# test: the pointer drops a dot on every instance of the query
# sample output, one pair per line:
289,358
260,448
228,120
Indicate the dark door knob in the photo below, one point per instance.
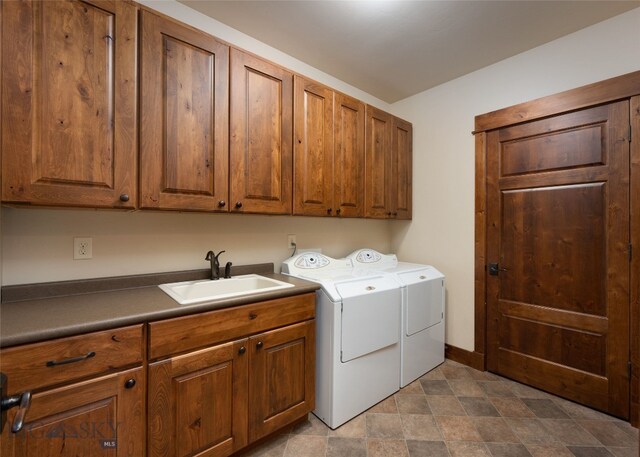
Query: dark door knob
329,210
129,383
259,344
238,204
338,211
124,198
222,203
242,350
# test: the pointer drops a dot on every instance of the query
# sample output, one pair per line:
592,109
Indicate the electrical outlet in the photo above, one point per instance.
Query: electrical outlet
291,241
82,248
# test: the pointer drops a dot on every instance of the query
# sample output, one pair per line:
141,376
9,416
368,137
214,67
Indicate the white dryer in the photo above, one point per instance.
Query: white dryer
423,295
357,335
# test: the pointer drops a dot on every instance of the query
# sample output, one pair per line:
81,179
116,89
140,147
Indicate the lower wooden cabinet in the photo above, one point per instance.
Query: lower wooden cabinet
217,400
103,416
281,377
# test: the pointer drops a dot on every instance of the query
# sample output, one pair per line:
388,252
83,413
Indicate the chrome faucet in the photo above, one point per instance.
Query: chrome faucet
215,264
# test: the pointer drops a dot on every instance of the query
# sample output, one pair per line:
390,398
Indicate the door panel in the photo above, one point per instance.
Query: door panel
197,402
313,149
349,156
401,171
281,382
378,167
184,123
69,103
261,136
558,225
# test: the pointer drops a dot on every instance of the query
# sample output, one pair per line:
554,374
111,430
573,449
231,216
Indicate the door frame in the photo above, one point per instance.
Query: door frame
622,87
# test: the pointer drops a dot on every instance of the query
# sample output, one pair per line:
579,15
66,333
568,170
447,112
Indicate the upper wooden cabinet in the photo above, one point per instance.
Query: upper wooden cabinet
378,163
184,117
389,149
349,156
328,152
69,95
401,169
313,149
260,136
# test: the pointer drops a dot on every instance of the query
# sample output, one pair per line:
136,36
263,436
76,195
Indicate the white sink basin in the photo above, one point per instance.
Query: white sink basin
188,292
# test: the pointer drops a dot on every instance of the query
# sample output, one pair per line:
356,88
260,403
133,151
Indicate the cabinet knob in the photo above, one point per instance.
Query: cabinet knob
389,213
259,344
252,316
129,383
338,211
238,204
222,203
242,350
394,214
329,210
124,197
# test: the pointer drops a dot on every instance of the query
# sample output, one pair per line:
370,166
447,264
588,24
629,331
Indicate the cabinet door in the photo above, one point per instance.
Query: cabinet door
313,149
69,103
261,136
378,167
98,417
184,158
282,377
198,403
348,158
401,171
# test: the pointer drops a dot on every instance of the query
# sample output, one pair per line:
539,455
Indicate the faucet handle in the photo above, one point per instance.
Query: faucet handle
227,270
218,254
210,256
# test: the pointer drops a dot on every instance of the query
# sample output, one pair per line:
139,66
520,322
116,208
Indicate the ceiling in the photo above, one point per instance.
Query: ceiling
393,49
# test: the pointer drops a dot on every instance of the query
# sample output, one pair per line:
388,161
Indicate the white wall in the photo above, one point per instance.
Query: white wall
442,231
37,243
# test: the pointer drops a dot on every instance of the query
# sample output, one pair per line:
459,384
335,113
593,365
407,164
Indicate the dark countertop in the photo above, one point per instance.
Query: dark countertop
91,305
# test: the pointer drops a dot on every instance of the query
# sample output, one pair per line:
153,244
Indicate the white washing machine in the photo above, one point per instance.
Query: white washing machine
357,335
422,342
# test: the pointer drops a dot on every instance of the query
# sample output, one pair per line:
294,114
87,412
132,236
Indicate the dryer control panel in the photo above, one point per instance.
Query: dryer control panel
370,258
314,264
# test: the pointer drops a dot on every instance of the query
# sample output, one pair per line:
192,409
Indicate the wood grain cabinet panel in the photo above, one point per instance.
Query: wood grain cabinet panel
349,156
69,119
184,117
378,163
282,377
313,149
102,416
261,138
328,152
198,402
400,190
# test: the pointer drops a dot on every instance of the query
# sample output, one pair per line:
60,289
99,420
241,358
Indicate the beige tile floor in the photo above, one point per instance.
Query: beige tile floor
456,411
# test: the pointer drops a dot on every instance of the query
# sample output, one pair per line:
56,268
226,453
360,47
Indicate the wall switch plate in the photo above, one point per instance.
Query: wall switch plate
291,241
82,248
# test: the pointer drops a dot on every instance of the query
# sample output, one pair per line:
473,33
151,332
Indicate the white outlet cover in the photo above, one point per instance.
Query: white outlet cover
82,248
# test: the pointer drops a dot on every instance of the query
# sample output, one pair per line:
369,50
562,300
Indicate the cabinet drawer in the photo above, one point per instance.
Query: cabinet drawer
38,365
191,332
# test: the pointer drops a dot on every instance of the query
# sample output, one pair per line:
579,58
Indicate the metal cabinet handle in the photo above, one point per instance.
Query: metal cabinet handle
259,344
329,210
242,350
338,211
129,383
222,203
22,401
253,316
53,363
124,198
238,205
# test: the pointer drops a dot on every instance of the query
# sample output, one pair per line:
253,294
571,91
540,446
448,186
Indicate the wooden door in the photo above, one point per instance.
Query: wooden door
348,156
282,377
558,228
379,130
184,151
98,417
69,103
313,149
198,402
400,191
261,136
